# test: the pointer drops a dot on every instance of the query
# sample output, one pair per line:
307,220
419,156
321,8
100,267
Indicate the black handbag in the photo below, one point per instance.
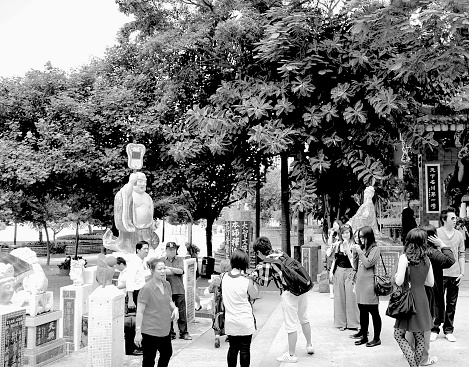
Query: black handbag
383,284
402,304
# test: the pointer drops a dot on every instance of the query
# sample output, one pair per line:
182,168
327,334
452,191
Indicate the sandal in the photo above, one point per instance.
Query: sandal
430,361
342,328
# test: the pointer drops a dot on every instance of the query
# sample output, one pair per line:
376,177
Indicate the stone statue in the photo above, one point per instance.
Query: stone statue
32,295
7,284
133,216
366,214
76,271
105,271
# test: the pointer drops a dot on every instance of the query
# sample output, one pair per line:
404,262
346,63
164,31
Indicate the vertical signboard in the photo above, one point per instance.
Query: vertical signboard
189,288
433,188
238,235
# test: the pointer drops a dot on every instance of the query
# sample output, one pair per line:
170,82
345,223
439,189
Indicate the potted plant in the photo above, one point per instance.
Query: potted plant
64,267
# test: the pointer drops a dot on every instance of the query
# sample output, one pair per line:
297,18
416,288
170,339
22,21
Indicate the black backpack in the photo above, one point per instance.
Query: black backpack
295,276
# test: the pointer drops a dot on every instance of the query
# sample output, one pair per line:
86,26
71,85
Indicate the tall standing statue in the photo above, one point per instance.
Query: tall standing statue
133,208
133,216
366,213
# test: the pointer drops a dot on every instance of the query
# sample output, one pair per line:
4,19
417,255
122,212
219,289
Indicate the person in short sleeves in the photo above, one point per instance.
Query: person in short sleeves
155,306
240,323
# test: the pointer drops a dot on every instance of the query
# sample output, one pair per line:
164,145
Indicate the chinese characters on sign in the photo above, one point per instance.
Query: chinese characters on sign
433,193
238,234
13,339
46,332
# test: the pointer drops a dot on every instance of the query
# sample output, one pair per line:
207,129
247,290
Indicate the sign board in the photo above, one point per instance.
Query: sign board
12,338
433,188
189,282
238,235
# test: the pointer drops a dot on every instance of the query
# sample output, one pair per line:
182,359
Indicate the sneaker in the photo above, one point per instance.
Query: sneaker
287,358
430,361
310,349
217,343
433,336
450,337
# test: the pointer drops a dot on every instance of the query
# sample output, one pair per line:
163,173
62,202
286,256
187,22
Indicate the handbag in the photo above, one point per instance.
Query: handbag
383,284
402,304
218,323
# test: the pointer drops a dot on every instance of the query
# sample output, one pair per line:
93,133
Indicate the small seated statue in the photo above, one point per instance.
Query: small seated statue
33,294
7,284
76,271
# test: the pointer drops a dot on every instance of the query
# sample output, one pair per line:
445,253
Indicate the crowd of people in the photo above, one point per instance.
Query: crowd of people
432,262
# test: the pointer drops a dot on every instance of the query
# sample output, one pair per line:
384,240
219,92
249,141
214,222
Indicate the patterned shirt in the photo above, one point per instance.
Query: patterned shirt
266,271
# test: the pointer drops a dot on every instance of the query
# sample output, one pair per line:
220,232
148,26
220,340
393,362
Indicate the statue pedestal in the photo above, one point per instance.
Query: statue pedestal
189,288
106,327
12,335
73,303
42,343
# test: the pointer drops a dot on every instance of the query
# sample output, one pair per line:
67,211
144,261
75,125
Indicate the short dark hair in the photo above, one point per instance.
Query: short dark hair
121,260
239,260
140,244
346,227
262,244
153,262
444,214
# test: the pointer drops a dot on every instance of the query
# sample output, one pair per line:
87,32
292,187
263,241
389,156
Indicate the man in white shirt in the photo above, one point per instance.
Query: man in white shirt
137,272
452,277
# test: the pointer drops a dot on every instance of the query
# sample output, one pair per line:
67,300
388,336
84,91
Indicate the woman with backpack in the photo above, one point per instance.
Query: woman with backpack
346,313
240,323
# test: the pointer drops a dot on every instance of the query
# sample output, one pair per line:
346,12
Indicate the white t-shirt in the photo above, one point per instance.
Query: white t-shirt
136,272
122,280
239,318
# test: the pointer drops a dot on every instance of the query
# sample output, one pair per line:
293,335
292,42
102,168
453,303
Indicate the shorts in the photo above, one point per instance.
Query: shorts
295,309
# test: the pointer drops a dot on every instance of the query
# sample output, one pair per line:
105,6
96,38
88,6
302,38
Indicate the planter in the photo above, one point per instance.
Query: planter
65,272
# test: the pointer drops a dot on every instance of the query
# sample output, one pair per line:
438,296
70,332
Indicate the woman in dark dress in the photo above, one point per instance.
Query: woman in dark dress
420,273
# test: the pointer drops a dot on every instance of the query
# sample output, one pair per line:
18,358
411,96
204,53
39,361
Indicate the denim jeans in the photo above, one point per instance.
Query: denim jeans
239,344
151,344
452,291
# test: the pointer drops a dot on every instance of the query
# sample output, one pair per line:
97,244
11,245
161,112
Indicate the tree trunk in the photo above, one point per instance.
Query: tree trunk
40,235
90,229
301,228
189,232
285,204
258,203
77,238
14,234
47,244
162,232
208,235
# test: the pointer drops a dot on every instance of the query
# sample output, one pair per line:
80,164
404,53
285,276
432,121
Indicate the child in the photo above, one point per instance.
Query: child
214,283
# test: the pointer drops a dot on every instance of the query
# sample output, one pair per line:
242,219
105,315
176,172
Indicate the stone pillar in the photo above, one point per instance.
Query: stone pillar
189,288
106,328
12,335
74,304
42,342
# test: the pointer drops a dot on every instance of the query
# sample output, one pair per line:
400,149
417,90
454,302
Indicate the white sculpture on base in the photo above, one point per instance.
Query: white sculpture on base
7,284
76,271
366,214
33,295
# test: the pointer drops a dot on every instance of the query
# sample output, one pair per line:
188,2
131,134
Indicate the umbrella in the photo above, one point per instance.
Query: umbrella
21,267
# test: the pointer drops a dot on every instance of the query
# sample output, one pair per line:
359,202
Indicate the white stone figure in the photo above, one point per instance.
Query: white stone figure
133,216
76,271
32,295
7,284
366,214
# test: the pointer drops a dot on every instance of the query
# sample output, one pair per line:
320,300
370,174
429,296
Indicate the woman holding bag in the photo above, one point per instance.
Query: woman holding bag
346,313
365,257
420,273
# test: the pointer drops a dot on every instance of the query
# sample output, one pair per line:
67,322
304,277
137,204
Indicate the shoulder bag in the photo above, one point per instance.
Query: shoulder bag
402,304
218,323
383,285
